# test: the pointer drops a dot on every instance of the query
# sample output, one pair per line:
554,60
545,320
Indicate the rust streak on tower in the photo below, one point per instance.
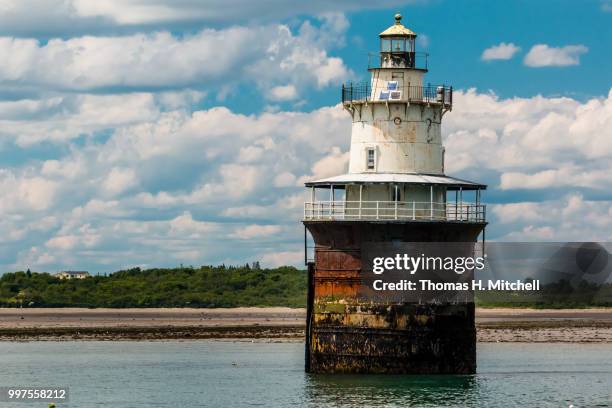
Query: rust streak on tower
395,191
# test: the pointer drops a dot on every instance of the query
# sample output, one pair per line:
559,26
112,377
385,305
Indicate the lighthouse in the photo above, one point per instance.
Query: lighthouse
395,193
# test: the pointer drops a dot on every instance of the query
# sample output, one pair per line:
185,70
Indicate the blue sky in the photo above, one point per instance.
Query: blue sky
458,31
160,132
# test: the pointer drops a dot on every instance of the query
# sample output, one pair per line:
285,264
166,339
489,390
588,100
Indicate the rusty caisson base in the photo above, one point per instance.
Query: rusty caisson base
347,334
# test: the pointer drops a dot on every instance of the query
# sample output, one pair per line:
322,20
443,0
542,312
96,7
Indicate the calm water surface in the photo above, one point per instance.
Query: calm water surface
240,374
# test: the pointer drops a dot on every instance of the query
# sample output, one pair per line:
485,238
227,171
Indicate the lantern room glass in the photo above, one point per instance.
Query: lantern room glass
397,44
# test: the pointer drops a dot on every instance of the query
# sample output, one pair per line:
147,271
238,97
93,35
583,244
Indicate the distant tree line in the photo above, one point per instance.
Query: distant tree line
561,294
205,286
234,286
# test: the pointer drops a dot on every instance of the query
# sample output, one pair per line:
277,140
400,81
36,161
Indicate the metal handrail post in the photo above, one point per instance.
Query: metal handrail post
360,201
431,202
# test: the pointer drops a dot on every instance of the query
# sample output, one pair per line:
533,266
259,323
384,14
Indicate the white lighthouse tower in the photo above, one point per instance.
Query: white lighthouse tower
396,190
396,154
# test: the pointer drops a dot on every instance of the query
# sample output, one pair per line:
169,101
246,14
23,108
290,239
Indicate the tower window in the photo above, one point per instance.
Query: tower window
397,193
371,158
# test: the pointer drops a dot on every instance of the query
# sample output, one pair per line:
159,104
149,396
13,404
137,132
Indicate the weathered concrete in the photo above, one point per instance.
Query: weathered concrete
351,334
393,338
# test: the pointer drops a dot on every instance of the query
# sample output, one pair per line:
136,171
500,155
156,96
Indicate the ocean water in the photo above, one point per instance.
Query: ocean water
245,374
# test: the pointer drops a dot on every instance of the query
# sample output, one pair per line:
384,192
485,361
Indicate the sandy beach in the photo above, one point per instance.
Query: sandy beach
278,324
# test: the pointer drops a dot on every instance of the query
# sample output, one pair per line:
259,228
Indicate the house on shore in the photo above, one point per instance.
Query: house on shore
72,275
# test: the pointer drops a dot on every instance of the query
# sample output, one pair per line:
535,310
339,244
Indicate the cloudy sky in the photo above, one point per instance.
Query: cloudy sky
158,132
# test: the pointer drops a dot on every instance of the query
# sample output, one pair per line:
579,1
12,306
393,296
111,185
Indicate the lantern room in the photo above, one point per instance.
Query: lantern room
397,46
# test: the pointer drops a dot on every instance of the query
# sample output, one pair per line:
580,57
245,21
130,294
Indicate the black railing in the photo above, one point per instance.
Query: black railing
353,92
362,92
416,60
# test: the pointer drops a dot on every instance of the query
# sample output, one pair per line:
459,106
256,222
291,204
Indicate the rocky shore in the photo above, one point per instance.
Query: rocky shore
277,324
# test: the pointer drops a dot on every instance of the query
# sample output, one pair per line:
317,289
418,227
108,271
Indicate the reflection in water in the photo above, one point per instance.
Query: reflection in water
509,375
390,390
242,374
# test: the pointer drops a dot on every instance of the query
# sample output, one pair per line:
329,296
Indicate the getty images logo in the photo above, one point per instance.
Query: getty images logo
412,264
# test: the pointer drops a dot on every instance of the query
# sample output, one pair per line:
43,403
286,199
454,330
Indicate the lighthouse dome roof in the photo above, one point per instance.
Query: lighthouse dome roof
398,29
451,183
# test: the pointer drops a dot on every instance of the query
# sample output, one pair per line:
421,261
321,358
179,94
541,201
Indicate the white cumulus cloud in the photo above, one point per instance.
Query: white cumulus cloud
570,218
119,180
211,185
277,59
283,93
531,143
201,187
61,17
502,51
256,231
543,55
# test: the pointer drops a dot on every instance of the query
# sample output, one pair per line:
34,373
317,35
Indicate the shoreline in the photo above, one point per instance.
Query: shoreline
500,325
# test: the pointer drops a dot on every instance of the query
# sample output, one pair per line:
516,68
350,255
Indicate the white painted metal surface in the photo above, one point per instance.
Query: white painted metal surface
393,210
392,178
